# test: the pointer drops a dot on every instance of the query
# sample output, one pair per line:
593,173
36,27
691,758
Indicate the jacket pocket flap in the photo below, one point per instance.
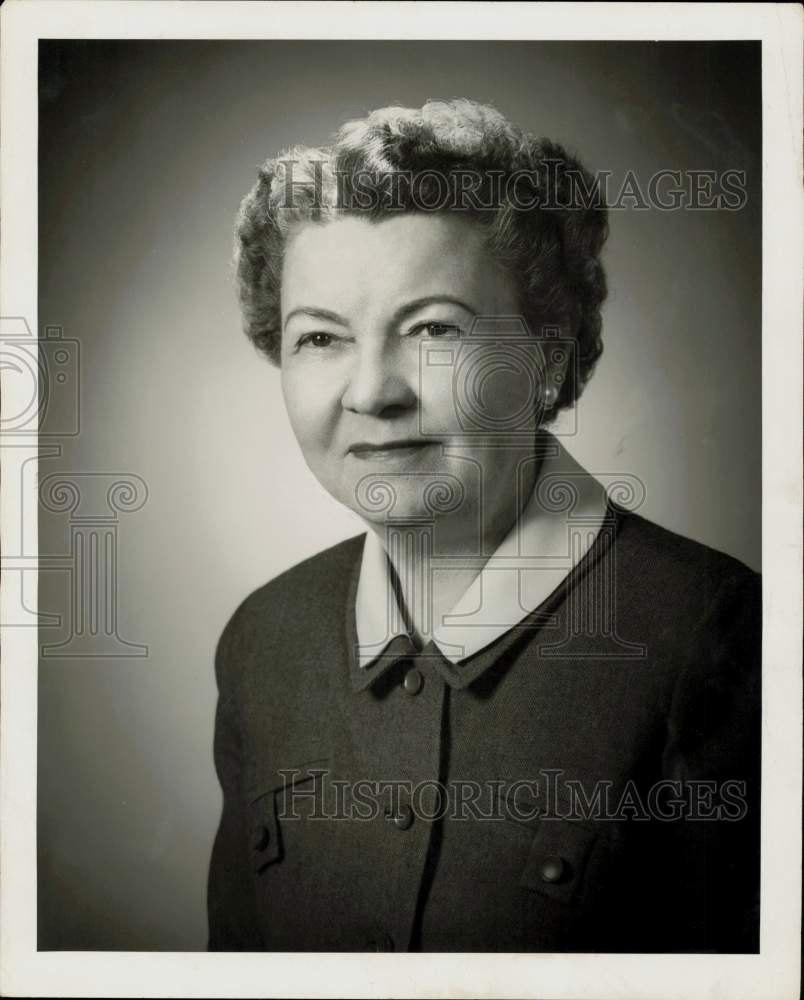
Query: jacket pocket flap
265,842
558,855
528,806
264,778
264,785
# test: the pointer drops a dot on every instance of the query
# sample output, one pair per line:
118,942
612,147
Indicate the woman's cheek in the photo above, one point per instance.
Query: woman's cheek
312,407
297,407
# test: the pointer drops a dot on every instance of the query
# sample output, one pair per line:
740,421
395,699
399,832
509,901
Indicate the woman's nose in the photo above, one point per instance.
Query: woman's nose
378,382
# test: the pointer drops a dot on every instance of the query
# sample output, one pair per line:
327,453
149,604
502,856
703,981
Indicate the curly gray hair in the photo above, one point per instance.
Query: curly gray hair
543,215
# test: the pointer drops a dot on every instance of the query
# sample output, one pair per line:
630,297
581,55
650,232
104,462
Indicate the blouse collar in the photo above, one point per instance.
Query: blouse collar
557,527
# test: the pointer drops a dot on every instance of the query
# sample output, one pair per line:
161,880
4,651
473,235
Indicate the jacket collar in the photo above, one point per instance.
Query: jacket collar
557,528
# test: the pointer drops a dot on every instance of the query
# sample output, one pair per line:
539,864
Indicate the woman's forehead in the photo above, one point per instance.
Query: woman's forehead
352,263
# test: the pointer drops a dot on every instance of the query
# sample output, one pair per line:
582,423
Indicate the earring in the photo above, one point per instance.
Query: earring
550,395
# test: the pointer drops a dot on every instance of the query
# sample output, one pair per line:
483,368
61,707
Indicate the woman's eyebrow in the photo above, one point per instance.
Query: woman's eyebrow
429,300
409,307
316,313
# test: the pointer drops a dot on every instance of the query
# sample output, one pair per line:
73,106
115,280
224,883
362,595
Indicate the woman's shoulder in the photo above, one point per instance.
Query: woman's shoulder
665,553
688,579
292,610
320,578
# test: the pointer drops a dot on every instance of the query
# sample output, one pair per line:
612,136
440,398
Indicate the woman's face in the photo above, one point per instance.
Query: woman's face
376,320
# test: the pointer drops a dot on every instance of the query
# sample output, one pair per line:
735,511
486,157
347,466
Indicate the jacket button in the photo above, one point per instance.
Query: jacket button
382,942
413,682
261,838
553,868
404,818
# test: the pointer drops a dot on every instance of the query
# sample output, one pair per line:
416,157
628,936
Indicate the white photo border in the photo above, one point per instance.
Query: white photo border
774,972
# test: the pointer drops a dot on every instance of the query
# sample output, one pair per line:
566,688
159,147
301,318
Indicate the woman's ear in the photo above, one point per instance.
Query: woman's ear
558,351
550,395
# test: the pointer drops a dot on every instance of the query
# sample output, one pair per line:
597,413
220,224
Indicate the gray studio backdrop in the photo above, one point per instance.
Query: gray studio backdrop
187,490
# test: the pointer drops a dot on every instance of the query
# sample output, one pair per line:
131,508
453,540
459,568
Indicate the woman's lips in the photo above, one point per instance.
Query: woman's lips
389,451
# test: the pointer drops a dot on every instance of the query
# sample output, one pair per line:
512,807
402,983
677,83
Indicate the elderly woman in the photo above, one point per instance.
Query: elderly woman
512,715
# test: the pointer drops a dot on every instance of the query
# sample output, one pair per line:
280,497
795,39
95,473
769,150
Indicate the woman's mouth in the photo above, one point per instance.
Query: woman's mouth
380,451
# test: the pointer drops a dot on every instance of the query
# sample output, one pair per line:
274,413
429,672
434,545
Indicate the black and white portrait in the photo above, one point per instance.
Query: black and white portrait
430,287
398,551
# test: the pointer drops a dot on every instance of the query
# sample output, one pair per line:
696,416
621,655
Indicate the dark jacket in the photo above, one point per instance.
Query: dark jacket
597,766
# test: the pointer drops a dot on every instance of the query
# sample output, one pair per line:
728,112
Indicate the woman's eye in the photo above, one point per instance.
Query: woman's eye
316,339
438,329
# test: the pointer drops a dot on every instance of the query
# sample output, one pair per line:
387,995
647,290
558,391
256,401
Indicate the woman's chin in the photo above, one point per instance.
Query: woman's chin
401,510
382,498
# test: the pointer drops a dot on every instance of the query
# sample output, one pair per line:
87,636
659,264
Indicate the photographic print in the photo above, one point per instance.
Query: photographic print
393,499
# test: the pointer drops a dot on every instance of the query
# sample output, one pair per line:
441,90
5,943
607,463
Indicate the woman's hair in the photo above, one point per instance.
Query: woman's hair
545,220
